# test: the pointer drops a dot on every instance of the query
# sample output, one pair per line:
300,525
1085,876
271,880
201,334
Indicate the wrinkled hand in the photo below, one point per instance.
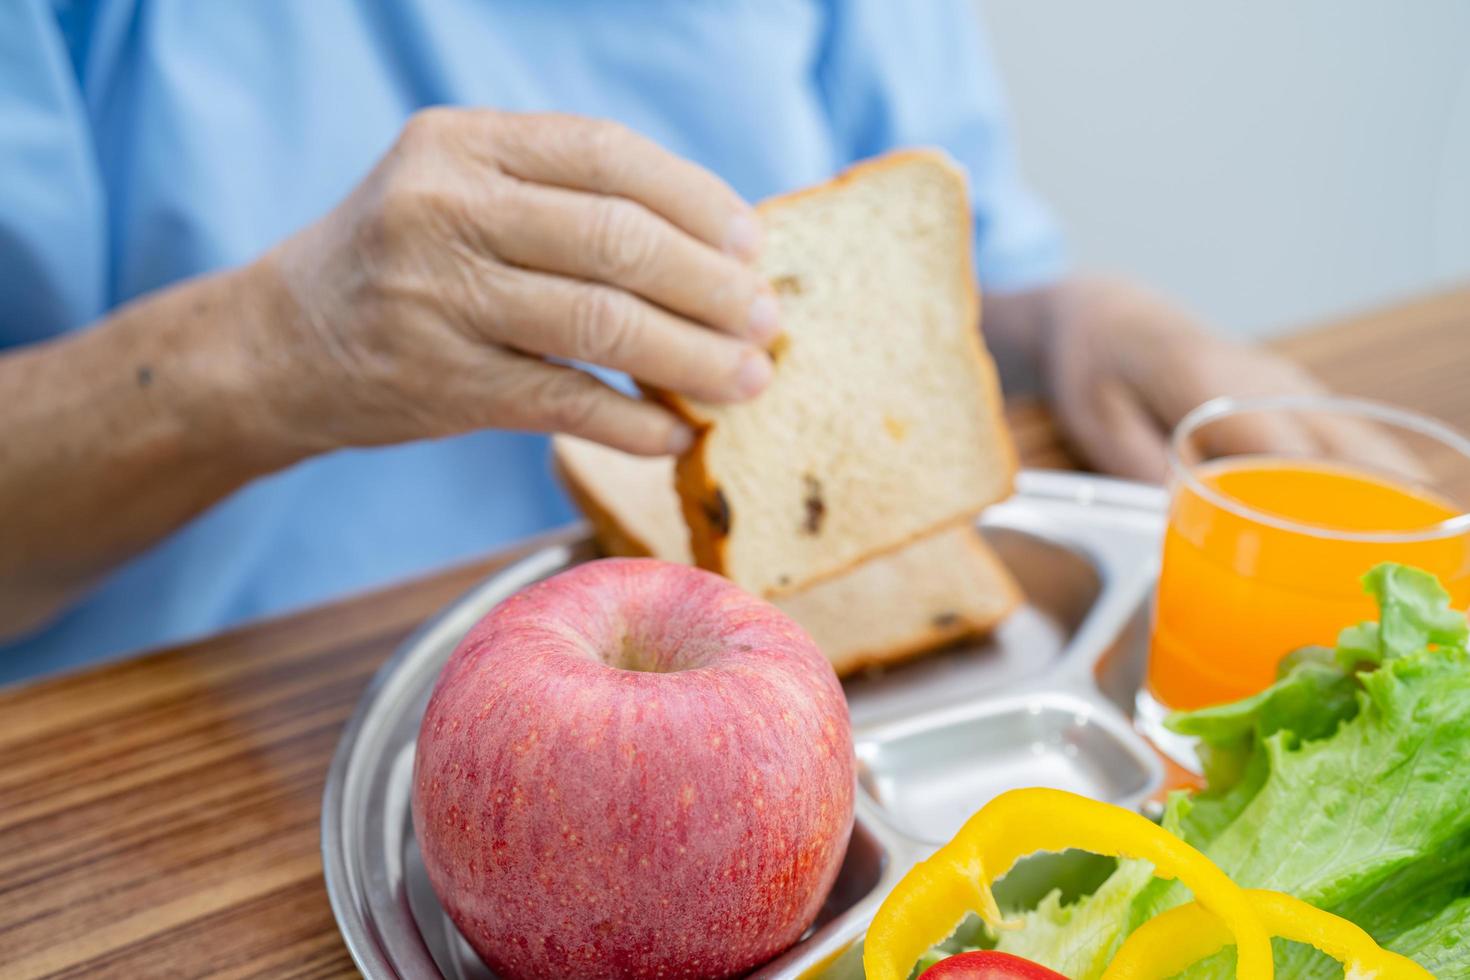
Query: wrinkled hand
1124,366
484,246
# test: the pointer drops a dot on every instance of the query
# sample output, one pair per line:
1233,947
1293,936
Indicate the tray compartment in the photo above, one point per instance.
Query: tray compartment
928,777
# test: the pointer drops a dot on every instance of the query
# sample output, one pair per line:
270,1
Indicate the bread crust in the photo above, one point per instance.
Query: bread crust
699,498
706,512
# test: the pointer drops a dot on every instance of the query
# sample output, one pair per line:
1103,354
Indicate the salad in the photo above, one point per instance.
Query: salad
1336,820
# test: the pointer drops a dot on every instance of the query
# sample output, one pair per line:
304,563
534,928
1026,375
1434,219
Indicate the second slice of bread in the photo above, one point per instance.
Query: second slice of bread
934,590
883,420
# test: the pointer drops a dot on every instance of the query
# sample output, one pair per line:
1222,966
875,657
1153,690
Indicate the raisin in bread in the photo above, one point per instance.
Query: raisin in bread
935,590
883,421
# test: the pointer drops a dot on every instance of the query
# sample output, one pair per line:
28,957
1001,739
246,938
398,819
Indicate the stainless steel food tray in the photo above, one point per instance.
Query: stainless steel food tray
1044,701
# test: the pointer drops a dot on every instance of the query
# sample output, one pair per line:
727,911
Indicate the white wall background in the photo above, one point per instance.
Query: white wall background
1268,162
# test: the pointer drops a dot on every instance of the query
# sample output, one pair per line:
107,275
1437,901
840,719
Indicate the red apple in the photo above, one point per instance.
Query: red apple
633,769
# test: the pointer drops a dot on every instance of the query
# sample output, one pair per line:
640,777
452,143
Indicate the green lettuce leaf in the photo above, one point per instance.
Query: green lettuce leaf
1440,944
1347,788
1413,613
1372,823
1077,939
1310,700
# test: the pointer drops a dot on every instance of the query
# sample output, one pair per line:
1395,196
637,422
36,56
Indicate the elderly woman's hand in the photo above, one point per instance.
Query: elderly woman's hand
1121,366
486,246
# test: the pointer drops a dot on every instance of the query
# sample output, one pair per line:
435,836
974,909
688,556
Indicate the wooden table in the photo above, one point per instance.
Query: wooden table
159,817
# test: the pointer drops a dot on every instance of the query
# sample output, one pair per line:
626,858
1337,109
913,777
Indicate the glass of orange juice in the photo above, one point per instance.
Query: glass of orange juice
1264,549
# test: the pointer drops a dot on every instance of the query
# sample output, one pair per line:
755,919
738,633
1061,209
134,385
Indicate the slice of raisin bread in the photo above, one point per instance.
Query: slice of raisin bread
935,590
883,422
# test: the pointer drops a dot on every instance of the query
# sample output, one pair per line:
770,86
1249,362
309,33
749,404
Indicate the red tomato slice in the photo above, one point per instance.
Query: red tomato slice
988,965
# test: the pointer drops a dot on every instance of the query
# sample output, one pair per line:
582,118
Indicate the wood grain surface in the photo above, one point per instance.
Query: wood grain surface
159,817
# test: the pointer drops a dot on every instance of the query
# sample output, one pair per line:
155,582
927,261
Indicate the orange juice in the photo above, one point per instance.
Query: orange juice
1237,593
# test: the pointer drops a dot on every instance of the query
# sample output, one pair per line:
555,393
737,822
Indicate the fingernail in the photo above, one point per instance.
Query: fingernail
765,318
754,374
681,437
744,237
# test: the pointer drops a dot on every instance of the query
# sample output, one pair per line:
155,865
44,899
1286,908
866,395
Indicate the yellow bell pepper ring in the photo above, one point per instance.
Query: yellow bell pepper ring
1172,940
930,901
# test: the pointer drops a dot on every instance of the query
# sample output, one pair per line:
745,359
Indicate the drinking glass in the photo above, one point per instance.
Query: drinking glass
1265,547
